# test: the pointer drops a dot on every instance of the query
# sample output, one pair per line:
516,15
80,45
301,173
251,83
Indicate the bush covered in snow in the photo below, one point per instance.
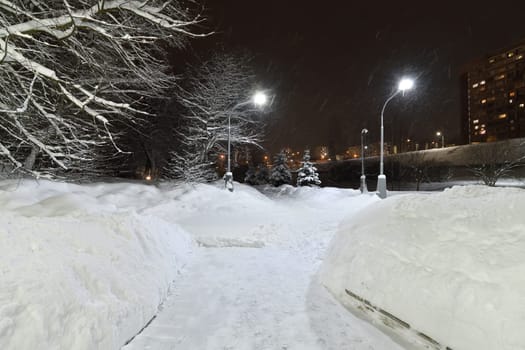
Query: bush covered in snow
280,173
307,175
262,175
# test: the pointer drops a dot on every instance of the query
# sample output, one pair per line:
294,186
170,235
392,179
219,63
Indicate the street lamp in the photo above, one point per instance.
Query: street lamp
363,176
439,133
259,99
404,85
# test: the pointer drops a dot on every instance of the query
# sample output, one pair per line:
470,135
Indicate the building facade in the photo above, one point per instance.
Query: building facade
493,94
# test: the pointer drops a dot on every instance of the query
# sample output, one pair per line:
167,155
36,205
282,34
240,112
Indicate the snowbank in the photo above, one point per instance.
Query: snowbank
250,217
86,266
83,267
450,264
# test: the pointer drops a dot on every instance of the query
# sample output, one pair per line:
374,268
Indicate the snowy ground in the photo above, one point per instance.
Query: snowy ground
86,267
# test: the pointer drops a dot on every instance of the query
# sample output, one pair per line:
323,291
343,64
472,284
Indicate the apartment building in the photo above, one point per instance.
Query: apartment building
493,96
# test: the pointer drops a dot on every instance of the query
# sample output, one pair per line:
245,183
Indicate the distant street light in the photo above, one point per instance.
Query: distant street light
259,99
363,176
439,133
404,85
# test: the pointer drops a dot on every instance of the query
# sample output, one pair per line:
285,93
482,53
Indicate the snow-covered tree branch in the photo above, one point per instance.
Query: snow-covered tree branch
72,70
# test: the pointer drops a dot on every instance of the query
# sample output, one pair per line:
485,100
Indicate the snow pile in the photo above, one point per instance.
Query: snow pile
450,264
219,218
327,198
248,217
83,267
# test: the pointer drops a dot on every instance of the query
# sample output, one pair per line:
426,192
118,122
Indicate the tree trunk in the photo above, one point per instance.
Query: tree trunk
30,160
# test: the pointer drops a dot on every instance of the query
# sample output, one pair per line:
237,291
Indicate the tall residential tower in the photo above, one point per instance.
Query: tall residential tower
493,94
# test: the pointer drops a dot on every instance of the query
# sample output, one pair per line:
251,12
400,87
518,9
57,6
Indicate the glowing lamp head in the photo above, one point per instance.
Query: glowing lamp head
438,133
260,99
406,84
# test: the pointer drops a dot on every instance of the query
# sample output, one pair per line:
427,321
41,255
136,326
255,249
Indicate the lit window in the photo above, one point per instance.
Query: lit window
482,82
512,93
502,116
483,132
483,101
475,121
476,127
522,105
475,85
482,125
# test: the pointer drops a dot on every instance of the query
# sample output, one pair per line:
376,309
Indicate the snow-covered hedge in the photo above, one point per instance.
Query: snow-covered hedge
451,264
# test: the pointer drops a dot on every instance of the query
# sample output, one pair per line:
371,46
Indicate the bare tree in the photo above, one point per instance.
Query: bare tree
492,161
415,166
218,89
74,71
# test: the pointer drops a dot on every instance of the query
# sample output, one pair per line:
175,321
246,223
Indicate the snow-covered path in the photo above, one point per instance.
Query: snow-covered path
255,298
259,298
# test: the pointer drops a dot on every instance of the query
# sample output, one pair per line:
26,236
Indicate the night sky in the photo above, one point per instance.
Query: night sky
332,64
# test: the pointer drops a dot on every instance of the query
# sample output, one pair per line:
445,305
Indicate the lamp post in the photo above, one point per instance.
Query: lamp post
259,99
439,133
363,176
404,85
